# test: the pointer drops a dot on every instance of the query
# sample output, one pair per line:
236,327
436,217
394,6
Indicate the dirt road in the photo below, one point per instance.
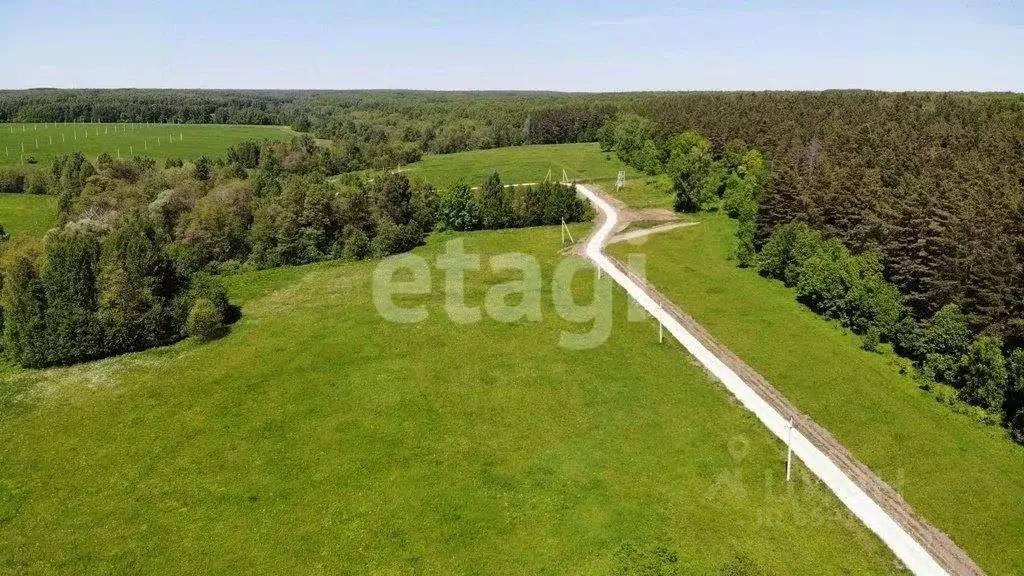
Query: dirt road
922,548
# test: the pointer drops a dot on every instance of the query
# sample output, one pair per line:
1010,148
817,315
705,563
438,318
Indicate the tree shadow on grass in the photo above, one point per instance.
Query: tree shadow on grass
232,314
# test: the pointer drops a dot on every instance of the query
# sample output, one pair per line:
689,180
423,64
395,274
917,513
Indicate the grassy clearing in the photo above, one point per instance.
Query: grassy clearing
317,438
519,164
27,214
642,191
43,142
967,478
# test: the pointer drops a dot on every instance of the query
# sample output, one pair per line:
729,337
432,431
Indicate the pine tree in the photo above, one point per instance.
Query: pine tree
781,203
918,250
492,203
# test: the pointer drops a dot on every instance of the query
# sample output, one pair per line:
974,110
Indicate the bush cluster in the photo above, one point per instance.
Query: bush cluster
93,289
24,180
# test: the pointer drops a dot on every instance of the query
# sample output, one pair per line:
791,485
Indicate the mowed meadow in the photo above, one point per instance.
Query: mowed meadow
519,165
27,214
41,142
964,476
317,438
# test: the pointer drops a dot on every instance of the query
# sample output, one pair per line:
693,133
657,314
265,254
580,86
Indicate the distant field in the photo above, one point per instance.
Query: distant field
519,164
18,142
27,214
317,438
965,477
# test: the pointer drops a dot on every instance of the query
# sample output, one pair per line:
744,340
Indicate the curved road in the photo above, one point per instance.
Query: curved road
907,549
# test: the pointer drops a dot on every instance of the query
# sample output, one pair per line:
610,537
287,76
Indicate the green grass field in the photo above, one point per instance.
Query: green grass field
965,477
519,164
43,142
642,191
27,214
317,438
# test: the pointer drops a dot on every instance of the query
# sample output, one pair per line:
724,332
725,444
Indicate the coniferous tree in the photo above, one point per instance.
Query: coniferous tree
460,210
781,203
493,211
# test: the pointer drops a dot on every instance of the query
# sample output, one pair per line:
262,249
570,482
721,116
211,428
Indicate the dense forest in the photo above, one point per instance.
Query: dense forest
896,215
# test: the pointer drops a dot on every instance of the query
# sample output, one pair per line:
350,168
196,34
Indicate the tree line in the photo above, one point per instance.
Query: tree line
883,284
135,259
983,364
493,206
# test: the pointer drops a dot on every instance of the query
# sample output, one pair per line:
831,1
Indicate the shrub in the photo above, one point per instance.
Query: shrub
203,168
1014,402
38,185
826,279
356,244
940,367
871,339
229,267
787,250
394,239
204,322
12,180
206,286
871,301
946,333
981,375
1016,425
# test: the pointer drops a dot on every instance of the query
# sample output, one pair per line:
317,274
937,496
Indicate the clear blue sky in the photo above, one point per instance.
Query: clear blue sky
553,45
